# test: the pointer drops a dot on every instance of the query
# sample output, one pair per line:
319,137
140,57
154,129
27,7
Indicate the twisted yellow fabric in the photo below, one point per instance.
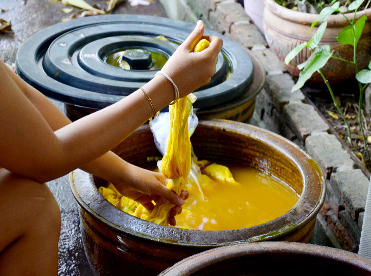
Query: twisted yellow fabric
176,162
175,165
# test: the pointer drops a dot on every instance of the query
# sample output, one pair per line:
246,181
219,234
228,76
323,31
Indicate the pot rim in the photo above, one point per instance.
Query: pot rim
210,257
307,19
91,201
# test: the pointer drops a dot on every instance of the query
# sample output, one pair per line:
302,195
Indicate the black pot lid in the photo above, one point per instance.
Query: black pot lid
72,61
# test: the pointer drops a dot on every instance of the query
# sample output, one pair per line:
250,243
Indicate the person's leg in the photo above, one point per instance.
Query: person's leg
29,227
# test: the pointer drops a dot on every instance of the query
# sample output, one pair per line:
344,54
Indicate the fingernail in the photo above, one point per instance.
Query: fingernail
180,201
199,24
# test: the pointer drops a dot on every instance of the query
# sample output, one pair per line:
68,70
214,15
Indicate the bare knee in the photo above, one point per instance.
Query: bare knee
29,227
27,206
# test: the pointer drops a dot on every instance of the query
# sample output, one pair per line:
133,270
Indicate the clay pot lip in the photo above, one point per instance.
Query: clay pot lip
308,19
210,257
89,198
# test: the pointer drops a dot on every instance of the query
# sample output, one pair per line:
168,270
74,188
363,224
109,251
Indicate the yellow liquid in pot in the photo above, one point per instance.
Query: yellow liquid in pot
258,198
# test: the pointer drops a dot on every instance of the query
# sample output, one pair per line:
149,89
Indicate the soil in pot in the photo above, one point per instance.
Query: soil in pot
316,6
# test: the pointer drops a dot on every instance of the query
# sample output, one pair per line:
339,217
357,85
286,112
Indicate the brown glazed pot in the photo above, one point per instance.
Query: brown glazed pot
285,29
273,258
120,244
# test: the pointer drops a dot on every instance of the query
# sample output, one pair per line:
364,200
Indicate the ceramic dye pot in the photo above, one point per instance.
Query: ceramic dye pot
120,244
273,258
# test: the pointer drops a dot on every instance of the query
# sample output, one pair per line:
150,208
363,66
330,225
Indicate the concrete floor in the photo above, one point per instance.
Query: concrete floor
28,17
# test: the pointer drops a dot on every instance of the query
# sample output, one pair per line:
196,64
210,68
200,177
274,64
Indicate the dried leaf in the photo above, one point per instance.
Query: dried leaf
5,27
338,100
67,10
350,117
82,5
341,135
332,114
80,14
369,139
360,138
360,156
4,10
111,5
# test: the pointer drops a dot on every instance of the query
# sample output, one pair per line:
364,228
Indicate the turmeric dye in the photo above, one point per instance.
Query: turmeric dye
222,202
249,198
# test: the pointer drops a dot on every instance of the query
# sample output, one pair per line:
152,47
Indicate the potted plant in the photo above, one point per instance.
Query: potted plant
286,28
321,55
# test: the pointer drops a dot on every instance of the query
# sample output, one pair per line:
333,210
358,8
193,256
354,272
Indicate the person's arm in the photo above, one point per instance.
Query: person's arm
44,155
108,166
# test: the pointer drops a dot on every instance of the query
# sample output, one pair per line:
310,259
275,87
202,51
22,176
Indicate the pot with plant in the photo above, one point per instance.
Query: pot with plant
322,54
288,24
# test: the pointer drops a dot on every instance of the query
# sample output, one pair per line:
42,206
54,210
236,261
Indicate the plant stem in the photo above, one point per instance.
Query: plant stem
368,3
341,59
337,107
361,89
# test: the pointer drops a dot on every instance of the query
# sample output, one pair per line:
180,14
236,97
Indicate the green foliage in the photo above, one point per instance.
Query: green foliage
355,5
316,61
325,13
347,36
364,76
350,35
318,35
294,52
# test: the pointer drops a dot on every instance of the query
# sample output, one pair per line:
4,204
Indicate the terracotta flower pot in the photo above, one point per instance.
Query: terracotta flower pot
285,29
120,244
272,258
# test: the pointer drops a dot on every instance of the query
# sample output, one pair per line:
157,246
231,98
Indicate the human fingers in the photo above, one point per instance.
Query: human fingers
175,211
184,195
168,194
172,221
194,36
146,201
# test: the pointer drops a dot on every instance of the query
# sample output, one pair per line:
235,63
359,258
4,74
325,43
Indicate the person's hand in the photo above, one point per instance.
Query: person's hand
190,70
144,186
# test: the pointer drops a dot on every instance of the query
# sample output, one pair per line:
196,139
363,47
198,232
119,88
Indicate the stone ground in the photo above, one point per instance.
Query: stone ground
28,17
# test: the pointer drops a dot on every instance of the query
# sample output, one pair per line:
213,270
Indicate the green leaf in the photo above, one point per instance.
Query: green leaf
325,13
304,64
346,36
364,76
369,65
360,24
318,35
355,5
294,52
316,61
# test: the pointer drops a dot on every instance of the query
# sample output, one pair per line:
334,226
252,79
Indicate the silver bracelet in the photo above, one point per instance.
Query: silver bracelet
175,87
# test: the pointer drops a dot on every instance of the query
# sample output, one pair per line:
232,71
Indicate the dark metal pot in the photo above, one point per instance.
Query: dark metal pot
273,258
118,243
68,62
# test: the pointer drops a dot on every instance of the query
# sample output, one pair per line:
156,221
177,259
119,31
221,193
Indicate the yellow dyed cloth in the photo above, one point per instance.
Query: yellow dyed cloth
212,176
175,165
